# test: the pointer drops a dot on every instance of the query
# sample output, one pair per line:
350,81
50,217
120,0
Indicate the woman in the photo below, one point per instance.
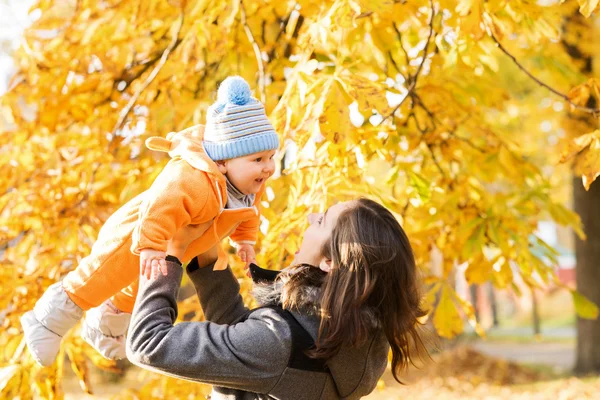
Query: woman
352,288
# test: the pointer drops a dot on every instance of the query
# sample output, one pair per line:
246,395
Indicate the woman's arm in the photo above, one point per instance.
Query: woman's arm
250,355
218,291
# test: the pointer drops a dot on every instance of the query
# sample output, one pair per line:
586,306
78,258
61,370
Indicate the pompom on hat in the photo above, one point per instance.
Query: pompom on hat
236,124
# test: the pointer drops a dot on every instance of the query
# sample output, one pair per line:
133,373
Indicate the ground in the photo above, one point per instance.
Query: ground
511,363
477,369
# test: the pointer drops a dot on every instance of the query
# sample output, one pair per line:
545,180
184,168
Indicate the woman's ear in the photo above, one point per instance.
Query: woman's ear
222,165
325,265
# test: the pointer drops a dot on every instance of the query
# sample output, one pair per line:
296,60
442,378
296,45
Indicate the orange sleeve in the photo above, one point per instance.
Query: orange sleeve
179,195
247,231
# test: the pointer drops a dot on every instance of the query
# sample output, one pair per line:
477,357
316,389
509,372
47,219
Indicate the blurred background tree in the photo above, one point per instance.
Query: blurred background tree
454,114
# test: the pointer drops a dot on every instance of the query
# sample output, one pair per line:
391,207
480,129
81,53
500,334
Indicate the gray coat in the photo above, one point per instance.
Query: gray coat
244,360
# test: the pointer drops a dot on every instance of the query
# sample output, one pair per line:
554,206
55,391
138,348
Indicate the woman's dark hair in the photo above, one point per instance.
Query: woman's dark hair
372,283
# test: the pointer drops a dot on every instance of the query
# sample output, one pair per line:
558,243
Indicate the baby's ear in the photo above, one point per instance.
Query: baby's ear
222,165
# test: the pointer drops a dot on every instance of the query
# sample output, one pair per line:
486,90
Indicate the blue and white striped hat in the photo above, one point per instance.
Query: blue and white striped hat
236,124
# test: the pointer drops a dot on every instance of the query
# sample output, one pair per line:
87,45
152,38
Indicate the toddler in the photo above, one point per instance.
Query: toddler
214,179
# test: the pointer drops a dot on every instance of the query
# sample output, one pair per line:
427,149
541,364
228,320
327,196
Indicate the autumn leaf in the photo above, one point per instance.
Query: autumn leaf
446,319
586,151
584,307
587,7
502,275
479,270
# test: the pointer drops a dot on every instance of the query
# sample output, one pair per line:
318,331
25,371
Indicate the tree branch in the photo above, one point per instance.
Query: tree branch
414,83
399,35
395,64
163,59
594,111
413,79
257,53
436,121
435,160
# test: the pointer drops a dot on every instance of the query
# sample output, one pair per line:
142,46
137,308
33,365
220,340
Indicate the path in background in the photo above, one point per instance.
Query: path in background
560,355
555,351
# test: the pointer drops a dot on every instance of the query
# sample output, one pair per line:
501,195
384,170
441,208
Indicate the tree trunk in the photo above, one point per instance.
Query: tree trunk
535,314
475,300
493,305
587,205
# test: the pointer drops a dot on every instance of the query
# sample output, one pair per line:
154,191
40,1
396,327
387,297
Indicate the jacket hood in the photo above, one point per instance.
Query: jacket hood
187,144
355,370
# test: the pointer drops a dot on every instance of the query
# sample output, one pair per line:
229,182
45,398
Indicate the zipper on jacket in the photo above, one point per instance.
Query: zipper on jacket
236,209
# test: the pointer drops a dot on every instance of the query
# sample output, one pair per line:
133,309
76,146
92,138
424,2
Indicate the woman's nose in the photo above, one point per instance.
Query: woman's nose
311,218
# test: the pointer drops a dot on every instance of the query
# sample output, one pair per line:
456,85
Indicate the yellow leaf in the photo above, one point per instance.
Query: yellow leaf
343,13
7,120
579,94
469,311
370,95
584,307
447,321
475,242
465,230
420,185
588,164
565,217
479,270
578,144
335,119
8,374
79,366
547,29
497,235
502,274
378,6
587,7
494,25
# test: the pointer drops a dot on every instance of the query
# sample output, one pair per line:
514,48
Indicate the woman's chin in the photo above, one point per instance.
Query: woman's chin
296,259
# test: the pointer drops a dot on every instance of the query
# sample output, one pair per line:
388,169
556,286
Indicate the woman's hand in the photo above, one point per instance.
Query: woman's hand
184,237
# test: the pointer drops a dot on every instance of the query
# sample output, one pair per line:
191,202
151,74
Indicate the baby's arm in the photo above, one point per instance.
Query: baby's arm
178,194
246,253
246,234
245,237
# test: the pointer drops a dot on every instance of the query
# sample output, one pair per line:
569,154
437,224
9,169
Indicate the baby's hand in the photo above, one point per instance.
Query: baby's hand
151,261
246,253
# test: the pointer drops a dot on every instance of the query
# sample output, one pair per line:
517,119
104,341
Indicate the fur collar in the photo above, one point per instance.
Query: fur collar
308,298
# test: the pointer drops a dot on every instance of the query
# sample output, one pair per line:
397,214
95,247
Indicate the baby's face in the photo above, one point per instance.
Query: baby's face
249,173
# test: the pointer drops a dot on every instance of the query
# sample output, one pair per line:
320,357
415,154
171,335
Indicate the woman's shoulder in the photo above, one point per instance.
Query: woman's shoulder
356,370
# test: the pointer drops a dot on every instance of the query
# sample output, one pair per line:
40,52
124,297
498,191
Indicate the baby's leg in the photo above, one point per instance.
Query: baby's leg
102,274
110,268
125,299
105,327
108,286
44,326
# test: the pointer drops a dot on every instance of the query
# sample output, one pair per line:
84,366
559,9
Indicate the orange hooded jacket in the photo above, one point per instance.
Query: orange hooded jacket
190,190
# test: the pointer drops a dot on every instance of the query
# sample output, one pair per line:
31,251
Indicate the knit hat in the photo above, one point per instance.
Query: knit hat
236,124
